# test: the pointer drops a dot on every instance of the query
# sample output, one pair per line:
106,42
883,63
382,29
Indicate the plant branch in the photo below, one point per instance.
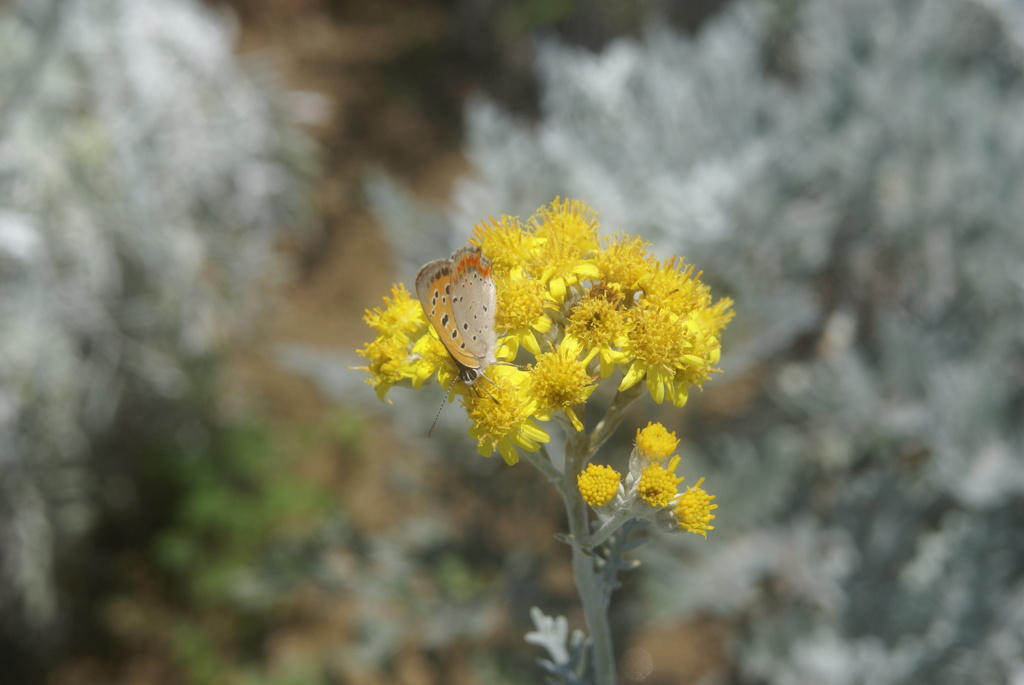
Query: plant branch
612,418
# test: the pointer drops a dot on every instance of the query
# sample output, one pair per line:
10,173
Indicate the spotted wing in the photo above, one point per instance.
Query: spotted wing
434,284
473,303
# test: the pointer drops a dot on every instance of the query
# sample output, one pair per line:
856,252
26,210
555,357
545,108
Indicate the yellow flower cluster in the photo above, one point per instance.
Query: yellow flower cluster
583,307
651,488
401,327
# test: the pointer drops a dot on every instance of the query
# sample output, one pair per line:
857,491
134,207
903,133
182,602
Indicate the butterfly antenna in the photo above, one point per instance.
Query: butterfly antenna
441,408
481,389
488,378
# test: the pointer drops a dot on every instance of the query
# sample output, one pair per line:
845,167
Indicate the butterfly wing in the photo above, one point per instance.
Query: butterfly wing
435,284
473,302
429,277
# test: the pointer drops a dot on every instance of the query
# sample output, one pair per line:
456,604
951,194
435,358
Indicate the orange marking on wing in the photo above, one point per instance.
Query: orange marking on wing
474,260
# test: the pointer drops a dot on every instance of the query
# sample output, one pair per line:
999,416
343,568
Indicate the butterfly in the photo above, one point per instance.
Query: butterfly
459,299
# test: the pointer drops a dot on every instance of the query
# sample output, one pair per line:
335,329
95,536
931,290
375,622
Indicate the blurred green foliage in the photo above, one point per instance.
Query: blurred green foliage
238,493
245,506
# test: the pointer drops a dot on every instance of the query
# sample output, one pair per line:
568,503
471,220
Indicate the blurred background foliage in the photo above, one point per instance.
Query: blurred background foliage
197,200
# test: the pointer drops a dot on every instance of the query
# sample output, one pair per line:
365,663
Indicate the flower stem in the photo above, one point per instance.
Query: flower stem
594,596
612,418
607,529
588,582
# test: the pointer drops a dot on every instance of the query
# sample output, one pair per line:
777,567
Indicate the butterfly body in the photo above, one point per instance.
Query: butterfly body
459,299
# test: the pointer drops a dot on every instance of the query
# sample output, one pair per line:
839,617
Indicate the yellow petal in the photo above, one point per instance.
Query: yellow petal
534,432
635,373
529,341
508,453
557,286
656,385
587,270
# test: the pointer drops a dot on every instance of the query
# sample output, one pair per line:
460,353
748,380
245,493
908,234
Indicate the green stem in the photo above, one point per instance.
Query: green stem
592,595
612,418
607,529
588,581
579,449
542,462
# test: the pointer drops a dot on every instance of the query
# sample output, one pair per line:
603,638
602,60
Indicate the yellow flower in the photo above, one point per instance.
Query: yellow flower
567,236
387,357
674,333
657,343
501,414
571,221
674,286
598,484
624,264
600,324
506,242
655,443
522,310
391,361
434,358
693,510
704,326
400,317
658,485
561,381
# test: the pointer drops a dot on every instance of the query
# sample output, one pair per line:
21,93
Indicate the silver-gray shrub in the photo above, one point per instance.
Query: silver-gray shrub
852,173
145,176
